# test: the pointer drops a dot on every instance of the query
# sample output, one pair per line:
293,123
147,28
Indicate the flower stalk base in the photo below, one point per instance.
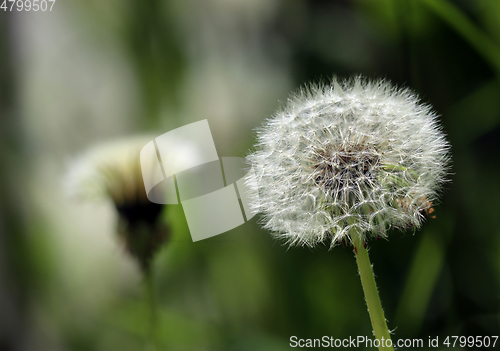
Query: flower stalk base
372,297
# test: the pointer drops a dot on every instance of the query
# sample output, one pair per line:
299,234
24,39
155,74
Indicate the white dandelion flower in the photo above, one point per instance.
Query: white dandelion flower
355,157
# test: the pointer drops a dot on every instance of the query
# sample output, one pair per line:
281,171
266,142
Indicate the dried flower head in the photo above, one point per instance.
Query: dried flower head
113,171
351,158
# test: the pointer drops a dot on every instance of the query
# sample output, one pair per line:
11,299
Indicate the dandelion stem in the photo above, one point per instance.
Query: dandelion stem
372,297
151,301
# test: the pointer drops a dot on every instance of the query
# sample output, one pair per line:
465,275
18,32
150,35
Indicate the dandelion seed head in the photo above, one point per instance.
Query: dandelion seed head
355,157
113,171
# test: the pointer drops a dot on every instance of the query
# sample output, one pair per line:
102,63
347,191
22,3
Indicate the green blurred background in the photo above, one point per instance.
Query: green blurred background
92,71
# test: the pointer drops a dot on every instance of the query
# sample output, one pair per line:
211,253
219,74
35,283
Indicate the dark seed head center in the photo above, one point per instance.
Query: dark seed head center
337,170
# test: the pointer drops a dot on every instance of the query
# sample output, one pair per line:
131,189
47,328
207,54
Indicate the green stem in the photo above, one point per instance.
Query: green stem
151,301
372,298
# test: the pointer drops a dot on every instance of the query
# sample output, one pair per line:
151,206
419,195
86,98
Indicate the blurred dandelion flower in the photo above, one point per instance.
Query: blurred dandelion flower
113,171
351,158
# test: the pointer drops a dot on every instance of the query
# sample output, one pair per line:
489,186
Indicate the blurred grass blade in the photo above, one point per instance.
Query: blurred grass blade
484,105
426,266
463,26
